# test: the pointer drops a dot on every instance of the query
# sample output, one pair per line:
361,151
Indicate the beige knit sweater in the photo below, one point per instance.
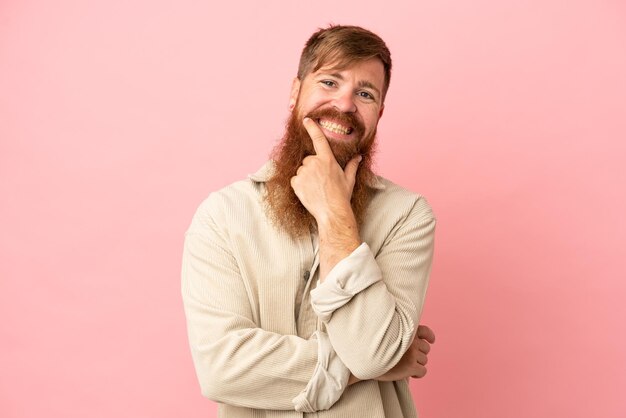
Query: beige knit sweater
247,291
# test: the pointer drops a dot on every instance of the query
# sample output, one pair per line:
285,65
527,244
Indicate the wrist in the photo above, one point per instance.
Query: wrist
338,225
339,241
338,237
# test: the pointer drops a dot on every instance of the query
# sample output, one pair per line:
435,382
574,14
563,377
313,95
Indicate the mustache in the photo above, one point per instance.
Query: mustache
348,119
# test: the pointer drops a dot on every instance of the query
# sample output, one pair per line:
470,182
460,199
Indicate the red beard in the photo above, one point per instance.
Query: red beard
283,206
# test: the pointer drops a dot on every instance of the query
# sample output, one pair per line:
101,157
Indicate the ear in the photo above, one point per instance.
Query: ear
293,96
380,112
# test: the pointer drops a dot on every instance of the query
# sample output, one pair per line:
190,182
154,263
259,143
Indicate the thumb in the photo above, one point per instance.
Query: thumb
351,169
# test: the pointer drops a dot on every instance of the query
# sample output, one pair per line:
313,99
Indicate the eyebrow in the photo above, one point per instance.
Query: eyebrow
361,83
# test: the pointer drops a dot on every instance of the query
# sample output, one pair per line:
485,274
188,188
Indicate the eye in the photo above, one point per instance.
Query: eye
328,83
366,95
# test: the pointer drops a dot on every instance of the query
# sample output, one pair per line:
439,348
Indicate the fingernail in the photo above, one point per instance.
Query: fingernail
360,158
306,118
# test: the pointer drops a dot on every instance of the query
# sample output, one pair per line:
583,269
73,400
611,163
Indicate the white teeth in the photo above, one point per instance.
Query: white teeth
333,127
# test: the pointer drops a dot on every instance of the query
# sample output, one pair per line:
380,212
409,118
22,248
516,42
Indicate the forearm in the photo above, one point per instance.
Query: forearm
371,332
370,306
254,368
250,367
236,361
338,238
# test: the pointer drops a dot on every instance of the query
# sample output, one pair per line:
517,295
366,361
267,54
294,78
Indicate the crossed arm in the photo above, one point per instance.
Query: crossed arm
325,189
240,364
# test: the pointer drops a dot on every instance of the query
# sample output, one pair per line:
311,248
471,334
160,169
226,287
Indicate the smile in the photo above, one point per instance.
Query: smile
335,127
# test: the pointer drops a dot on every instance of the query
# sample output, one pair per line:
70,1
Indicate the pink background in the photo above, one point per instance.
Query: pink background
117,118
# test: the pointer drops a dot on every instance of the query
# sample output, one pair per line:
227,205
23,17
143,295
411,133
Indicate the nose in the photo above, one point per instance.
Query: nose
344,102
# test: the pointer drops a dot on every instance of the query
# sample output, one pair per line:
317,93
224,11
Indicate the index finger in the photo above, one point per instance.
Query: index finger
320,142
425,333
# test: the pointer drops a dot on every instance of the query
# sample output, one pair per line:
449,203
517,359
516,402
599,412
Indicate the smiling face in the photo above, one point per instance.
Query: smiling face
343,76
346,103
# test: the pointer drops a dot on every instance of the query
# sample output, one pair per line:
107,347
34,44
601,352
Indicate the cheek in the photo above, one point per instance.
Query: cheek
371,121
306,105
316,98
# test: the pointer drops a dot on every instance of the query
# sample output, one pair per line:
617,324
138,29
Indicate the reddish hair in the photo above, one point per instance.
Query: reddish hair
341,46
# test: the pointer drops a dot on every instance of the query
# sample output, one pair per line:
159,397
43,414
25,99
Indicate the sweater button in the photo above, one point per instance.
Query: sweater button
306,275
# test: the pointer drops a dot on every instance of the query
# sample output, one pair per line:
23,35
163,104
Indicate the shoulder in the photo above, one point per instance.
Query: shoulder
239,200
396,214
392,198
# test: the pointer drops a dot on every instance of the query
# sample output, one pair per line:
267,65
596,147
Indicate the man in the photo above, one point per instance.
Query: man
303,285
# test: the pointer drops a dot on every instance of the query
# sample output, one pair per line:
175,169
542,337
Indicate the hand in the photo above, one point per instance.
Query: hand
413,363
325,191
321,185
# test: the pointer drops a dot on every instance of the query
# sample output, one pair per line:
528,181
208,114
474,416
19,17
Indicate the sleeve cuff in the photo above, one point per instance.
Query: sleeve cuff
329,380
351,275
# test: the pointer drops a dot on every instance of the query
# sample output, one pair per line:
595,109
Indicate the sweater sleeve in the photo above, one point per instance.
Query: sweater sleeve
350,276
236,362
329,380
371,304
